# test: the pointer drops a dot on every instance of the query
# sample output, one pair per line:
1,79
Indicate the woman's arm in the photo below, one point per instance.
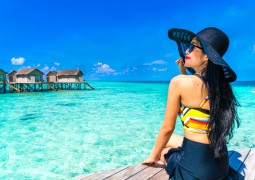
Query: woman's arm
168,125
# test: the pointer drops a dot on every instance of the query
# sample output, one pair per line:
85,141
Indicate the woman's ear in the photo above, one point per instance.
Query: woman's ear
206,58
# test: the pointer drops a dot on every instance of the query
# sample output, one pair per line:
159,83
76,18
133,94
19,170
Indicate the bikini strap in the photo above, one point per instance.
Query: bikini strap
207,97
204,101
200,76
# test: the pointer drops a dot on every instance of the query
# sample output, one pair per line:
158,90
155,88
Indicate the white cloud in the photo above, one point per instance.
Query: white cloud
57,63
156,62
127,70
101,68
253,48
38,65
46,67
17,61
159,69
162,69
53,68
134,69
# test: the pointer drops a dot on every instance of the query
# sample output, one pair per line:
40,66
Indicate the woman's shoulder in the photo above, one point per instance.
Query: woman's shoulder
181,79
182,83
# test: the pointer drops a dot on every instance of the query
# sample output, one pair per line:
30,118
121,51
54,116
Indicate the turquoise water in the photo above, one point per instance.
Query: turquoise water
59,135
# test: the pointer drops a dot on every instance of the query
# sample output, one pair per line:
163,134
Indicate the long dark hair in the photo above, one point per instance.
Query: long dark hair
223,112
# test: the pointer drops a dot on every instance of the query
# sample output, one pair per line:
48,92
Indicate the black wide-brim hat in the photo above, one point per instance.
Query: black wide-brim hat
214,42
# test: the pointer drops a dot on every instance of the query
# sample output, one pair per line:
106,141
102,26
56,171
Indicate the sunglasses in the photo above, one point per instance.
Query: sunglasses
191,47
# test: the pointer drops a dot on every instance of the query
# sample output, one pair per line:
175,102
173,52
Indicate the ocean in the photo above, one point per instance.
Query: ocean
63,134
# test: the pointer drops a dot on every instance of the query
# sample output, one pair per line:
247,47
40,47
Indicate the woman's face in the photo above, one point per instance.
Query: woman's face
195,58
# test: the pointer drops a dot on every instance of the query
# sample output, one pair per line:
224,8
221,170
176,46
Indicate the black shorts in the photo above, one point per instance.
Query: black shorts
195,160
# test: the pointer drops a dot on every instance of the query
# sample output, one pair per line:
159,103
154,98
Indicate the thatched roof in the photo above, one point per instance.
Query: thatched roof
52,73
26,71
3,72
69,73
12,73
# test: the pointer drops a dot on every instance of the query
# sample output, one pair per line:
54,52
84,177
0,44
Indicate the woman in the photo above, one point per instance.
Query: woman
206,106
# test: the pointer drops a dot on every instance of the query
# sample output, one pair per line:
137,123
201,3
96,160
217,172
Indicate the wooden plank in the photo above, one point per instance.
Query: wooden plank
126,173
162,175
82,176
148,172
242,163
104,175
13,87
248,168
90,85
237,158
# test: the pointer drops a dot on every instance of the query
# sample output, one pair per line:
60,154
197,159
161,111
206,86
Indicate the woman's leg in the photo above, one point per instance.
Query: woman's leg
163,152
174,142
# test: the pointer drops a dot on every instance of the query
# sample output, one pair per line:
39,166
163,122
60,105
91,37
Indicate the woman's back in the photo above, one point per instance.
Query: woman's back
193,91
193,94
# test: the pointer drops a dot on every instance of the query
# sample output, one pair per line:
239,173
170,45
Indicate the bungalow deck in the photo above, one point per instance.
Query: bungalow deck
242,163
43,86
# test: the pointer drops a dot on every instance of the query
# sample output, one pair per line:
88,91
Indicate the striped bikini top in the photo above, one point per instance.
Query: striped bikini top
195,120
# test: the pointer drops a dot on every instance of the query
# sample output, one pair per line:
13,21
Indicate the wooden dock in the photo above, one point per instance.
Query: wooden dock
242,163
43,86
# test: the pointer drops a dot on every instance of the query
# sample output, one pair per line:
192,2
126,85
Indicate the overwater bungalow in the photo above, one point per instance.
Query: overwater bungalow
51,76
2,76
31,80
69,76
29,75
12,76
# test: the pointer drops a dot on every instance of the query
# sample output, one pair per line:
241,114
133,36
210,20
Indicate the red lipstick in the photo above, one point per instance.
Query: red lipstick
187,57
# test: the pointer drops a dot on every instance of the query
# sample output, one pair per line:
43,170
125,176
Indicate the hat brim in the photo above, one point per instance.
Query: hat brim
214,56
183,39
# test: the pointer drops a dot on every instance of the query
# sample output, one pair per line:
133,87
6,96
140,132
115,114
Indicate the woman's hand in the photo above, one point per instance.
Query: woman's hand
182,68
178,61
150,160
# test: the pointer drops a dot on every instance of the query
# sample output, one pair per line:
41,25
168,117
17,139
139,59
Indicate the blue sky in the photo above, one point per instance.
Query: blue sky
119,39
